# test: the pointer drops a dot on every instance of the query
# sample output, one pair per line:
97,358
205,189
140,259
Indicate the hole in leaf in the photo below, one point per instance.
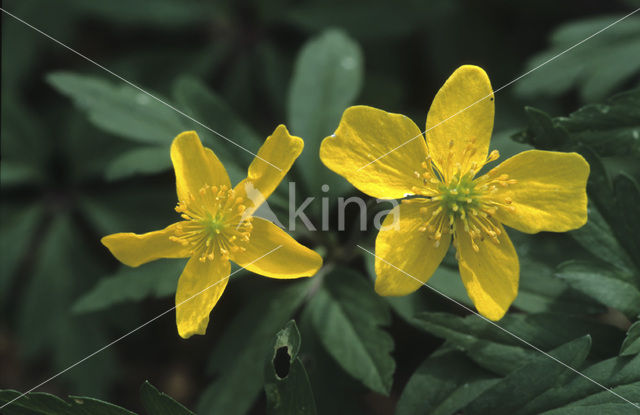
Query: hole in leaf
282,362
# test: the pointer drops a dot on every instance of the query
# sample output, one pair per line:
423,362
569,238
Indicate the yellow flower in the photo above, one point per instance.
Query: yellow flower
218,226
532,191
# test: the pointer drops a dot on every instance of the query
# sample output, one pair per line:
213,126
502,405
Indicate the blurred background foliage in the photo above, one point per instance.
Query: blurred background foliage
85,154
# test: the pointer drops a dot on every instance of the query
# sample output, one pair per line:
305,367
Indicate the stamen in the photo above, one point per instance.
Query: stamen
214,223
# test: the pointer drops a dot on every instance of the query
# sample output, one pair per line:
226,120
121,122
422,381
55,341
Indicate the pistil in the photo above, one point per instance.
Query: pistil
215,223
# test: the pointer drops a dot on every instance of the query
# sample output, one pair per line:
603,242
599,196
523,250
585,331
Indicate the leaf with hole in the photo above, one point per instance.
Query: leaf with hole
286,383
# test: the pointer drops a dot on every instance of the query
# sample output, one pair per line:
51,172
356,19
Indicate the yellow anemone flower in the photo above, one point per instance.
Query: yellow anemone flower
219,226
386,156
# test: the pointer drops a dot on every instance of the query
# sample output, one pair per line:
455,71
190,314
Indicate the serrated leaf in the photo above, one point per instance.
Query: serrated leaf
348,315
327,78
119,108
597,237
248,339
579,393
631,344
145,160
443,384
158,403
596,67
543,132
286,382
531,380
610,128
608,286
38,403
498,351
156,279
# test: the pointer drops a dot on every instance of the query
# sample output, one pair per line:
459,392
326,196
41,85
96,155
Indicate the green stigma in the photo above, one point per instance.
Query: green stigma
458,197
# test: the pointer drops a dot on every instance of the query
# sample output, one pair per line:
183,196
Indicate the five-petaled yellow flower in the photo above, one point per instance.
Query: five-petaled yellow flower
533,191
218,226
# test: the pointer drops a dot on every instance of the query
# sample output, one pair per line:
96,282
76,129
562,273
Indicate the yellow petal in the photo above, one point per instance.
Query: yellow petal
550,193
489,275
195,166
199,289
133,250
401,249
273,253
365,134
460,120
275,158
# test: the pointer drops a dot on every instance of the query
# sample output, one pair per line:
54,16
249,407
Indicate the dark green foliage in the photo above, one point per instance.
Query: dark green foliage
85,154
38,403
348,316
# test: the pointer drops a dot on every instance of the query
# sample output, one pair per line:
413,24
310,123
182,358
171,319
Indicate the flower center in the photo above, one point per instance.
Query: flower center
215,223
460,203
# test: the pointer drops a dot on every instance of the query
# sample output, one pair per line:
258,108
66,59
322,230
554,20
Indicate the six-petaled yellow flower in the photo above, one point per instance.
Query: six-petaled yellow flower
218,226
386,156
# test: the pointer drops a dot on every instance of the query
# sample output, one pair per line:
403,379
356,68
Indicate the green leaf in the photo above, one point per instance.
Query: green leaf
286,382
119,108
543,132
597,409
610,128
37,403
628,201
347,315
596,67
62,269
139,161
539,291
156,279
248,339
520,386
443,384
326,79
631,344
204,105
496,350
597,237
158,403
608,286
579,393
